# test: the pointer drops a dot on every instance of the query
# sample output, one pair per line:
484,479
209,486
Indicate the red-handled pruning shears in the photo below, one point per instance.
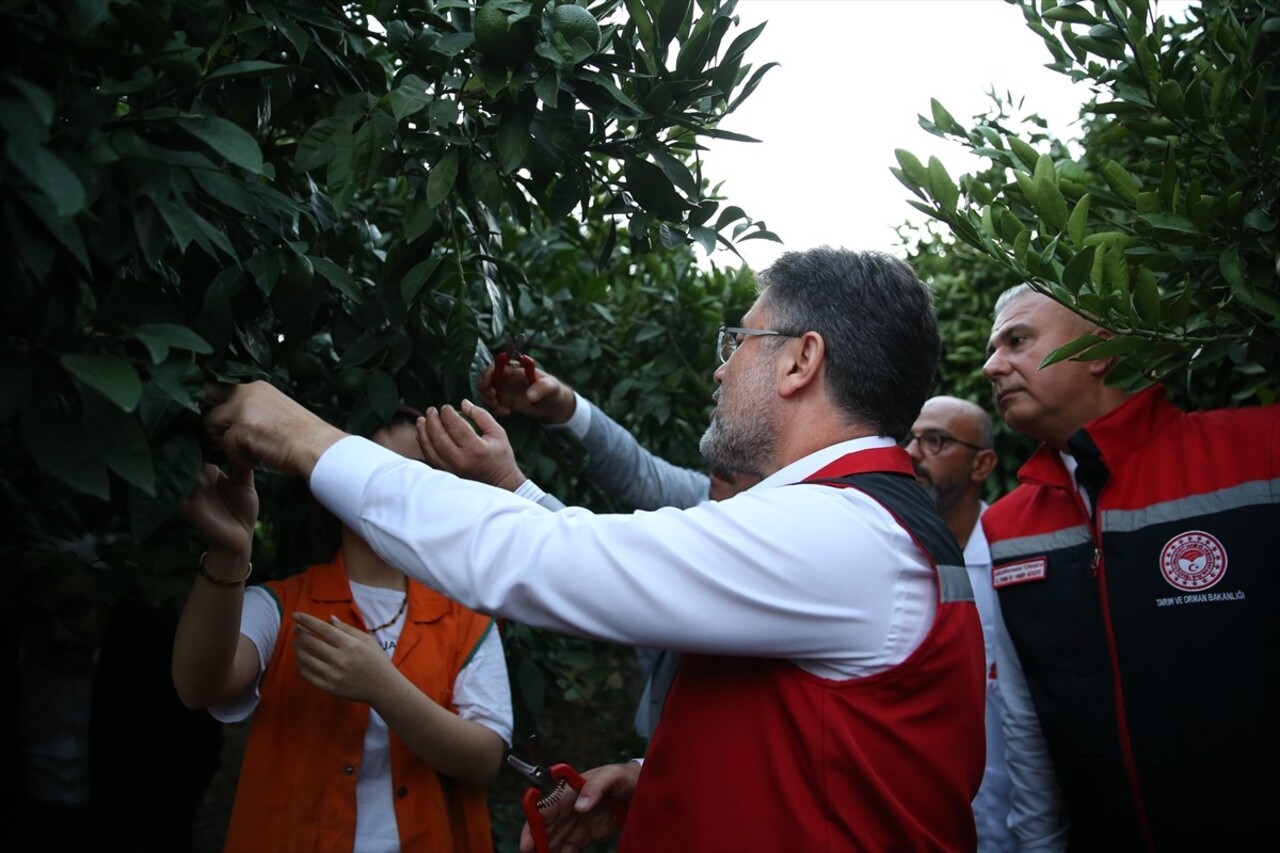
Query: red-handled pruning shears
511,352
549,786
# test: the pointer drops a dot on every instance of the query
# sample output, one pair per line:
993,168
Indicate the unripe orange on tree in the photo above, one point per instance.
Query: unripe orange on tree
500,40
305,366
576,22
349,383
296,273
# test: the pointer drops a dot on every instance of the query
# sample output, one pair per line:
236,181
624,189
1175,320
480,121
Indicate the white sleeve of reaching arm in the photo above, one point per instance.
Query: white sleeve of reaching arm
1037,818
482,691
766,573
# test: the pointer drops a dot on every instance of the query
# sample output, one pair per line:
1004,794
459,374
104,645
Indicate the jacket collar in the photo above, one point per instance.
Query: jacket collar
1129,426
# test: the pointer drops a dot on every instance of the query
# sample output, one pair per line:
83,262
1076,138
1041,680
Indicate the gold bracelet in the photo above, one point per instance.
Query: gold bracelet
204,573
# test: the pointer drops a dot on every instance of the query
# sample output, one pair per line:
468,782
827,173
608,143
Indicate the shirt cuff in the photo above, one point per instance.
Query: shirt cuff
579,422
531,490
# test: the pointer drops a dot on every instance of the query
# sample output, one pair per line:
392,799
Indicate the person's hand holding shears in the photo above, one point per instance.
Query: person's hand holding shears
563,809
513,384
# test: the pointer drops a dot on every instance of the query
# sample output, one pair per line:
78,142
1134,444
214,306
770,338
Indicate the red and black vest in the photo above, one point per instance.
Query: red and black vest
1147,632
756,754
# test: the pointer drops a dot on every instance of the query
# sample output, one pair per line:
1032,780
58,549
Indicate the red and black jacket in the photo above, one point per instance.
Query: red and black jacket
1148,632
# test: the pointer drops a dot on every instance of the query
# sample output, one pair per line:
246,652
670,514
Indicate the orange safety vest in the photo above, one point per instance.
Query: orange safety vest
297,787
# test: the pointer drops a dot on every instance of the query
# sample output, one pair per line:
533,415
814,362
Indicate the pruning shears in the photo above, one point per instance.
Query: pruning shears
508,354
548,785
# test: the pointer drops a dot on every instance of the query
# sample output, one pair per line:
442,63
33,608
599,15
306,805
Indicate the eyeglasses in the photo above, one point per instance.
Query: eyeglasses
727,342
933,443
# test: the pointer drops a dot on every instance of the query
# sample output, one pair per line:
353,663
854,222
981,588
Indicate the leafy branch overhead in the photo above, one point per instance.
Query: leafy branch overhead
1163,229
321,194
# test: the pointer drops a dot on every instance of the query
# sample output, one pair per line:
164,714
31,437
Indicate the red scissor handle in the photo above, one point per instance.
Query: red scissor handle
572,778
502,359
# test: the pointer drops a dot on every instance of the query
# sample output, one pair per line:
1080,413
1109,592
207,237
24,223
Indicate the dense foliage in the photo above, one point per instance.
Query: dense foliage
1162,228
324,195
356,201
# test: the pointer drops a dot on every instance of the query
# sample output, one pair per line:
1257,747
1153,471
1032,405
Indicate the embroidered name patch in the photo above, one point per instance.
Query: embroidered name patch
1022,572
1193,561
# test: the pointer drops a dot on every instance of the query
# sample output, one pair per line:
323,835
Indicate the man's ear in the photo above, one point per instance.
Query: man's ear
984,462
1102,366
802,364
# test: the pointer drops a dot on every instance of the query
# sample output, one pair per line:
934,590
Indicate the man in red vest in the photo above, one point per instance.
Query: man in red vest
831,692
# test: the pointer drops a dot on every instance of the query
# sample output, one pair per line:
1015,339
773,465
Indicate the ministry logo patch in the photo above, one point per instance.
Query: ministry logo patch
1193,561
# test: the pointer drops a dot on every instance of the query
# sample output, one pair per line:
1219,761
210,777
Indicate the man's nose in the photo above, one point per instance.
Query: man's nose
718,376
914,450
994,366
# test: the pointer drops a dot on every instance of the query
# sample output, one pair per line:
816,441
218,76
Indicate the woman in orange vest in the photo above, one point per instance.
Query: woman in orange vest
379,726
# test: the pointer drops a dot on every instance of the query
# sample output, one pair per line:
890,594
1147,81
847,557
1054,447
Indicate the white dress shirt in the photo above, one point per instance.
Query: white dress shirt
819,575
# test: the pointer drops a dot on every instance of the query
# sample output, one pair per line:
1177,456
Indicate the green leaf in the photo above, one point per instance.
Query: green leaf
441,178
226,138
1111,347
942,118
109,375
1079,220
652,189
941,187
249,69
409,97
1170,222
1069,349
383,394
121,444
316,146
1170,99
1050,203
1231,268
513,140
338,277
1024,152
1078,269
177,465
1146,298
49,174
1044,170
1072,14
1121,182
158,337
170,377
60,448
676,172
413,281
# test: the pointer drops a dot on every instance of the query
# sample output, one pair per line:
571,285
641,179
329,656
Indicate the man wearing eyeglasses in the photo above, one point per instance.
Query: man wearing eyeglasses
951,447
831,692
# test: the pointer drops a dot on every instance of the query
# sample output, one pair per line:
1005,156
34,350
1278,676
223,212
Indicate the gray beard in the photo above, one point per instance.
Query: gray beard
737,447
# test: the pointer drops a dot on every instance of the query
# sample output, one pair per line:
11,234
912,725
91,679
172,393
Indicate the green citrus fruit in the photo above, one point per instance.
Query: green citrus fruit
305,366
296,273
349,383
498,39
576,22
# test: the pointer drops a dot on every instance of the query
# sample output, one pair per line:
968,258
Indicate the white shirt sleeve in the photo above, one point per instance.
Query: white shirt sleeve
482,691
579,422
807,572
1037,817
260,622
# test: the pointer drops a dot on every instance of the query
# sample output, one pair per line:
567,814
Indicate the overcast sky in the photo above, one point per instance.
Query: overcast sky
854,76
